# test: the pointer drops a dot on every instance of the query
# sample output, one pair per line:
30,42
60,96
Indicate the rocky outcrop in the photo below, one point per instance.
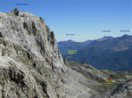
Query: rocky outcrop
30,64
123,90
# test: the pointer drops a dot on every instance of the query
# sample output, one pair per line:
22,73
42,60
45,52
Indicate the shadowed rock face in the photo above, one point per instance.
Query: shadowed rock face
30,64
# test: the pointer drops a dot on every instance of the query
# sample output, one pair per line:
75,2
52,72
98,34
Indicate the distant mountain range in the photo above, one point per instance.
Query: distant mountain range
112,53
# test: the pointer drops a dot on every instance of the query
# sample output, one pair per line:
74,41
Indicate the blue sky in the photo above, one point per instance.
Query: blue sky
84,18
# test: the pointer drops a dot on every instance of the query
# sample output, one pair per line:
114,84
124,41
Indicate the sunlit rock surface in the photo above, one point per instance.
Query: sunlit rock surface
30,64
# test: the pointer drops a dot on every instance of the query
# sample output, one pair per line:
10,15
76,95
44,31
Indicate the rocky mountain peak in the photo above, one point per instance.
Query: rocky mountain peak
31,65
31,33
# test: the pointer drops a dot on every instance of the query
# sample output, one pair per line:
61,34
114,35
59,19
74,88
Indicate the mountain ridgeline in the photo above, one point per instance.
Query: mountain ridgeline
112,53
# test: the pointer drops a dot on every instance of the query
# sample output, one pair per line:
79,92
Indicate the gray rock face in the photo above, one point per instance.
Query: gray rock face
122,90
30,64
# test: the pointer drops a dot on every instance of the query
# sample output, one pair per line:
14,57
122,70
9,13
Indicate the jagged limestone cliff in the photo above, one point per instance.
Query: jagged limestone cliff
30,64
